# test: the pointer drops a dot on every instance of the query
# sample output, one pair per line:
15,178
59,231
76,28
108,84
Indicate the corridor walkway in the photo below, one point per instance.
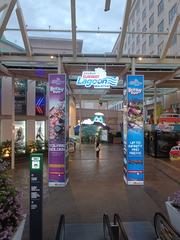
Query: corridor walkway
96,187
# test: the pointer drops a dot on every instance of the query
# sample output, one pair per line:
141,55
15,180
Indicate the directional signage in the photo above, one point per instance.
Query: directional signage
36,195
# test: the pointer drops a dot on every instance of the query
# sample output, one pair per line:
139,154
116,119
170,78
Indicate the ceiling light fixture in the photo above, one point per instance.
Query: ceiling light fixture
107,5
140,58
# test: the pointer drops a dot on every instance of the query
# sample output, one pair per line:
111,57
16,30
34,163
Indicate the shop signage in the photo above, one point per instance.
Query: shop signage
57,157
97,79
134,131
36,195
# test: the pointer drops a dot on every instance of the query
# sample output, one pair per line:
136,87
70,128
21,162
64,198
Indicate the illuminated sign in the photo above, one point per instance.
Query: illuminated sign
97,79
35,162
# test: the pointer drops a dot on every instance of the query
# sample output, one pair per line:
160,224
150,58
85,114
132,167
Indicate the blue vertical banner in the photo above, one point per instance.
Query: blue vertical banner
134,130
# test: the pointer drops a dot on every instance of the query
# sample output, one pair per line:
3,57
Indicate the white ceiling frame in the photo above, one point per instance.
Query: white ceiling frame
122,36
90,59
6,16
3,7
5,70
170,37
73,26
23,30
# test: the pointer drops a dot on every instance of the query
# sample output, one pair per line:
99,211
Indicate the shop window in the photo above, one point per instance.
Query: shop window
160,7
40,98
20,136
172,13
20,92
40,131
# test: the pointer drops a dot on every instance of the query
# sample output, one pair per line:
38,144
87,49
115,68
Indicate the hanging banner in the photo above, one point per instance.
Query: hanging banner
134,139
57,156
97,79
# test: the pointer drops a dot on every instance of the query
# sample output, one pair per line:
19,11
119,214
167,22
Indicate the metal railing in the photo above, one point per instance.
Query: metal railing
108,234
60,234
122,232
163,229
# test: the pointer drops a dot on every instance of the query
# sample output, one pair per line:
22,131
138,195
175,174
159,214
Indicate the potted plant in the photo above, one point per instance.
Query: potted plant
173,209
10,205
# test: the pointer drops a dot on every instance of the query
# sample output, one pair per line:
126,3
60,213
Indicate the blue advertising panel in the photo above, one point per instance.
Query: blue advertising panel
134,131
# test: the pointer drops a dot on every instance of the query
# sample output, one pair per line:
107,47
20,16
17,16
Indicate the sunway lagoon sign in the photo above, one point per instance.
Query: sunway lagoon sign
97,79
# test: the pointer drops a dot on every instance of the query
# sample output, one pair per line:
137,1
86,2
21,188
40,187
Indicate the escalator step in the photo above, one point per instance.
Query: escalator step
84,231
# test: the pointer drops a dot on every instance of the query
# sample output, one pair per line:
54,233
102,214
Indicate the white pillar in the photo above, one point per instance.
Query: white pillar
133,66
13,127
59,62
80,130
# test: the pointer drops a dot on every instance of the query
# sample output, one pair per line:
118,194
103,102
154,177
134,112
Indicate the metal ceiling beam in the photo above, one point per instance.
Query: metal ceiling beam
23,30
168,41
73,26
6,16
107,5
87,31
2,7
147,63
5,70
124,29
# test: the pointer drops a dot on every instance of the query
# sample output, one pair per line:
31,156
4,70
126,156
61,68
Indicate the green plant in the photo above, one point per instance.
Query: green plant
10,204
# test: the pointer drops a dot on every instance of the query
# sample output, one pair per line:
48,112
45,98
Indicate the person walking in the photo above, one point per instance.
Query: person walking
97,146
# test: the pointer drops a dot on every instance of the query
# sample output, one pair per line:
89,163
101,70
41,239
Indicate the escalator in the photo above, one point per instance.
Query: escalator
118,230
98,231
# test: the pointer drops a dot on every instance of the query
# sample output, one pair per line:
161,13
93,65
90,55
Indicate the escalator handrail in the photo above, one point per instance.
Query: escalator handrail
60,234
107,224
166,226
117,220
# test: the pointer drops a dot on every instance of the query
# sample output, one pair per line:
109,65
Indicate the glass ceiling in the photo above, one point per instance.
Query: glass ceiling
90,15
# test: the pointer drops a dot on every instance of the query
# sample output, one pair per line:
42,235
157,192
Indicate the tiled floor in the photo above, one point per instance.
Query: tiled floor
97,186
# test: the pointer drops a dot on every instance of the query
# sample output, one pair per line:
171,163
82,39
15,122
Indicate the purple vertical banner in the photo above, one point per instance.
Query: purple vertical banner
57,131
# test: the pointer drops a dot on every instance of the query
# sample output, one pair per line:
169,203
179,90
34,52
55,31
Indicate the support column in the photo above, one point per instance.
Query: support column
80,130
59,62
13,127
155,104
133,66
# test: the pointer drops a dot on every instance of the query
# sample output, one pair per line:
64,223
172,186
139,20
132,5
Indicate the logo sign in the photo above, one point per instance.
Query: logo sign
97,79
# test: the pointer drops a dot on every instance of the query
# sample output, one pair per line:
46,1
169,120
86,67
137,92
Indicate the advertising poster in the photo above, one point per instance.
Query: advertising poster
40,131
20,136
57,155
134,144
